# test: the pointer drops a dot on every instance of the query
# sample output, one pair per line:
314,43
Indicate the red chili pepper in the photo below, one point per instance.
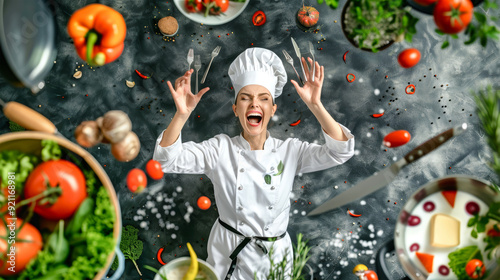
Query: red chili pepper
141,75
378,115
259,18
345,54
295,123
350,77
410,89
158,256
352,214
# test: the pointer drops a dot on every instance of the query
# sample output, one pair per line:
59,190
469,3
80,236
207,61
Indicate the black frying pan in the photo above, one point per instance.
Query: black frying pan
27,42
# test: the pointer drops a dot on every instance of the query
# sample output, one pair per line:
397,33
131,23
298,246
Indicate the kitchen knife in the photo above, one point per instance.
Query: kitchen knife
387,175
297,52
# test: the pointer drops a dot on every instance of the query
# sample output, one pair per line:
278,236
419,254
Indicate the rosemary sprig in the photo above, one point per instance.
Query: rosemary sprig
488,110
301,256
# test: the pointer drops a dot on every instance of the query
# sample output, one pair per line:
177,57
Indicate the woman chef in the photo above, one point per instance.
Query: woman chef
253,172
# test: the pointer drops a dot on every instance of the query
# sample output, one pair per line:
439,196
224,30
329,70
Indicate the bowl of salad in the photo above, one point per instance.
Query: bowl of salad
59,213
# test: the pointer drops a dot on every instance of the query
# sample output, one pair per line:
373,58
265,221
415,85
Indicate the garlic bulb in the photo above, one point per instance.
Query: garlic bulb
127,149
88,134
115,125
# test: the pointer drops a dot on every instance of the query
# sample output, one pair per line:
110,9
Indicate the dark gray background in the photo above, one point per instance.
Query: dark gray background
440,102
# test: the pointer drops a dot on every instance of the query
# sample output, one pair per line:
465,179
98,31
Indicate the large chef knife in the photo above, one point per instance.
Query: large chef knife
384,177
297,52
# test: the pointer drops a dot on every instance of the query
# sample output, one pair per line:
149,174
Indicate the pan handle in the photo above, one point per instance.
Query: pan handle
382,271
28,118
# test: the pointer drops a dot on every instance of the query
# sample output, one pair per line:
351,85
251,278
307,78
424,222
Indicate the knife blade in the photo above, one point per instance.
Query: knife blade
297,52
311,50
387,175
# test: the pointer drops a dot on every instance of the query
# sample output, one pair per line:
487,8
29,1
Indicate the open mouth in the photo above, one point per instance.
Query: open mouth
254,118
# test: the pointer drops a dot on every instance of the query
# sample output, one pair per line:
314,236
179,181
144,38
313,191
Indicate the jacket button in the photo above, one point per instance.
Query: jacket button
242,170
272,188
240,188
240,208
274,150
241,223
266,228
270,207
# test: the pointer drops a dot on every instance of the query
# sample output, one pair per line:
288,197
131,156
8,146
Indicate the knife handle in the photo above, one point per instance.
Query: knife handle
431,144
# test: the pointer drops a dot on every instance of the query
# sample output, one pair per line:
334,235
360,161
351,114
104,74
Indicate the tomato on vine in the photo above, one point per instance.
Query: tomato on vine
215,7
475,269
453,16
193,6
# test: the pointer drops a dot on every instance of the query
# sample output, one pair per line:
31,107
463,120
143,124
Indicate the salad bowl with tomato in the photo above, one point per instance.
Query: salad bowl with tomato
58,200
211,12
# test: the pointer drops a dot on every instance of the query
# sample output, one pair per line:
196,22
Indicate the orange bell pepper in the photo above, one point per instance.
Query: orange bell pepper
98,33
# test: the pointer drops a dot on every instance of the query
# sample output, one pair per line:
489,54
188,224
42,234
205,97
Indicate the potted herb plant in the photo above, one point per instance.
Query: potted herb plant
373,25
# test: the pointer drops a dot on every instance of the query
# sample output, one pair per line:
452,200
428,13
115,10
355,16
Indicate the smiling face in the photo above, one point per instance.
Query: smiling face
254,107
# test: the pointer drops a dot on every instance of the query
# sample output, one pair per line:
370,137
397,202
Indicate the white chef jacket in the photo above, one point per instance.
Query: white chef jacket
244,200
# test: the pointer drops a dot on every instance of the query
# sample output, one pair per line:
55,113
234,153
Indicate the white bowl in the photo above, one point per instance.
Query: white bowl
234,10
186,261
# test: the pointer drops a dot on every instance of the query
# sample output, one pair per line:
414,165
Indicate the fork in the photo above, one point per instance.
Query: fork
311,50
190,58
215,53
197,67
289,59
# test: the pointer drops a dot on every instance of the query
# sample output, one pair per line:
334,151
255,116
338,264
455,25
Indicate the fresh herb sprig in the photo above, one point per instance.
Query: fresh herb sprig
301,256
332,3
131,246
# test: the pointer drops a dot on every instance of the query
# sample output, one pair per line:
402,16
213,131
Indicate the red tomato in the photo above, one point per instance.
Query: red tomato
453,16
425,2
397,138
153,168
493,233
409,58
57,173
25,246
216,7
204,202
371,275
136,180
193,6
308,16
259,18
475,268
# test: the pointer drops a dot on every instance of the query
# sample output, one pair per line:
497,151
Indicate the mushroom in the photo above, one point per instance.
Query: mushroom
127,149
88,134
115,125
99,123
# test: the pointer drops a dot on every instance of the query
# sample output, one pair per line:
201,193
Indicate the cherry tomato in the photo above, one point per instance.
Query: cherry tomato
409,58
425,2
193,6
453,16
371,275
57,173
259,18
475,269
397,138
215,7
153,168
28,242
204,202
493,233
136,180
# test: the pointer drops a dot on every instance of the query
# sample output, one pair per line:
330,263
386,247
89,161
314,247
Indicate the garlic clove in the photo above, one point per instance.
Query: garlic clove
88,134
77,75
115,125
127,149
130,84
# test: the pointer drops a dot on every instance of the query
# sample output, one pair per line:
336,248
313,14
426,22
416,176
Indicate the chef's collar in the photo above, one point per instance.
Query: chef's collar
246,146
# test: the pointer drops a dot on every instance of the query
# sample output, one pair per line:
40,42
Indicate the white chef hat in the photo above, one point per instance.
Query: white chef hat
258,66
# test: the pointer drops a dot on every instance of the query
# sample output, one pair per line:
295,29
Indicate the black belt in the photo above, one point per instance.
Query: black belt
246,240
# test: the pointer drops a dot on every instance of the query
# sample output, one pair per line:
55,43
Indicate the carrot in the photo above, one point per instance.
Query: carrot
427,260
450,197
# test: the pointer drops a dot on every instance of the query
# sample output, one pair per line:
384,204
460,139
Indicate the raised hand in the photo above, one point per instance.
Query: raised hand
310,92
185,100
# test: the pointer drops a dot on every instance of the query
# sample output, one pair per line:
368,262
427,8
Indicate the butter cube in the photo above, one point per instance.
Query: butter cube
445,231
